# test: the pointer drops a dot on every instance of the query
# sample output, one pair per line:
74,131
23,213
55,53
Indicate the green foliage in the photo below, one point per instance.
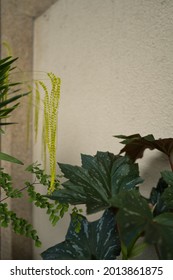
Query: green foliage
8,90
104,182
55,210
135,219
6,185
9,101
161,197
8,217
76,217
19,225
132,217
110,182
162,229
98,240
8,98
99,179
6,157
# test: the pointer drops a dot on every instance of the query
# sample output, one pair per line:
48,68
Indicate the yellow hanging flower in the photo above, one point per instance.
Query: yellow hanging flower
37,107
51,105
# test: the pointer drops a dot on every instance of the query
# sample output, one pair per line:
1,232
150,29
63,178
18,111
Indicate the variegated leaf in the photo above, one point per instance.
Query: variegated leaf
97,240
99,179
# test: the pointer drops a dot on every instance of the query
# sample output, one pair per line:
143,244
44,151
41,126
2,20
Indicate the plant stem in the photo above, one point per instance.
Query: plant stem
157,252
171,163
9,196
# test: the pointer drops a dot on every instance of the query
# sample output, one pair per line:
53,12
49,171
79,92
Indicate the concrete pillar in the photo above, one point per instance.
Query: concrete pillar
16,21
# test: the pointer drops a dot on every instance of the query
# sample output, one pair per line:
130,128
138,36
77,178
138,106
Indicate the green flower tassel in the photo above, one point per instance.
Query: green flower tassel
51,105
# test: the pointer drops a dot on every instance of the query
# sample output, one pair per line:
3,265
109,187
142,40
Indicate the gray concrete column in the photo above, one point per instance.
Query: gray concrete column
16,20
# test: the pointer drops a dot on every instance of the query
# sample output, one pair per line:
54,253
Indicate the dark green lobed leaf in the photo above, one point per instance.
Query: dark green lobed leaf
99,179
95,240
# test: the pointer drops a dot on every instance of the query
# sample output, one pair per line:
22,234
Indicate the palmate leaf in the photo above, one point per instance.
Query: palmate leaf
98,240
132,218
167,198
135,145
135,218
155,198
99,179
160,232
158,190
168,177
161,197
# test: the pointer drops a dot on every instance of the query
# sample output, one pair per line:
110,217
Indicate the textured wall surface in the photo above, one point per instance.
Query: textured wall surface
116,64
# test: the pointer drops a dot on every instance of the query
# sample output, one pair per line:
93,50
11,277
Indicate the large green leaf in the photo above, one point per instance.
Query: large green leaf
160,233
161,197
168,177
124,175
99,179
167,195
135,145
135,219
157,191
167,198
98,240
155,198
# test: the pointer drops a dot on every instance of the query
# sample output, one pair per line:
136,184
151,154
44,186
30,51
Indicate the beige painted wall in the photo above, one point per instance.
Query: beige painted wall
116,64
